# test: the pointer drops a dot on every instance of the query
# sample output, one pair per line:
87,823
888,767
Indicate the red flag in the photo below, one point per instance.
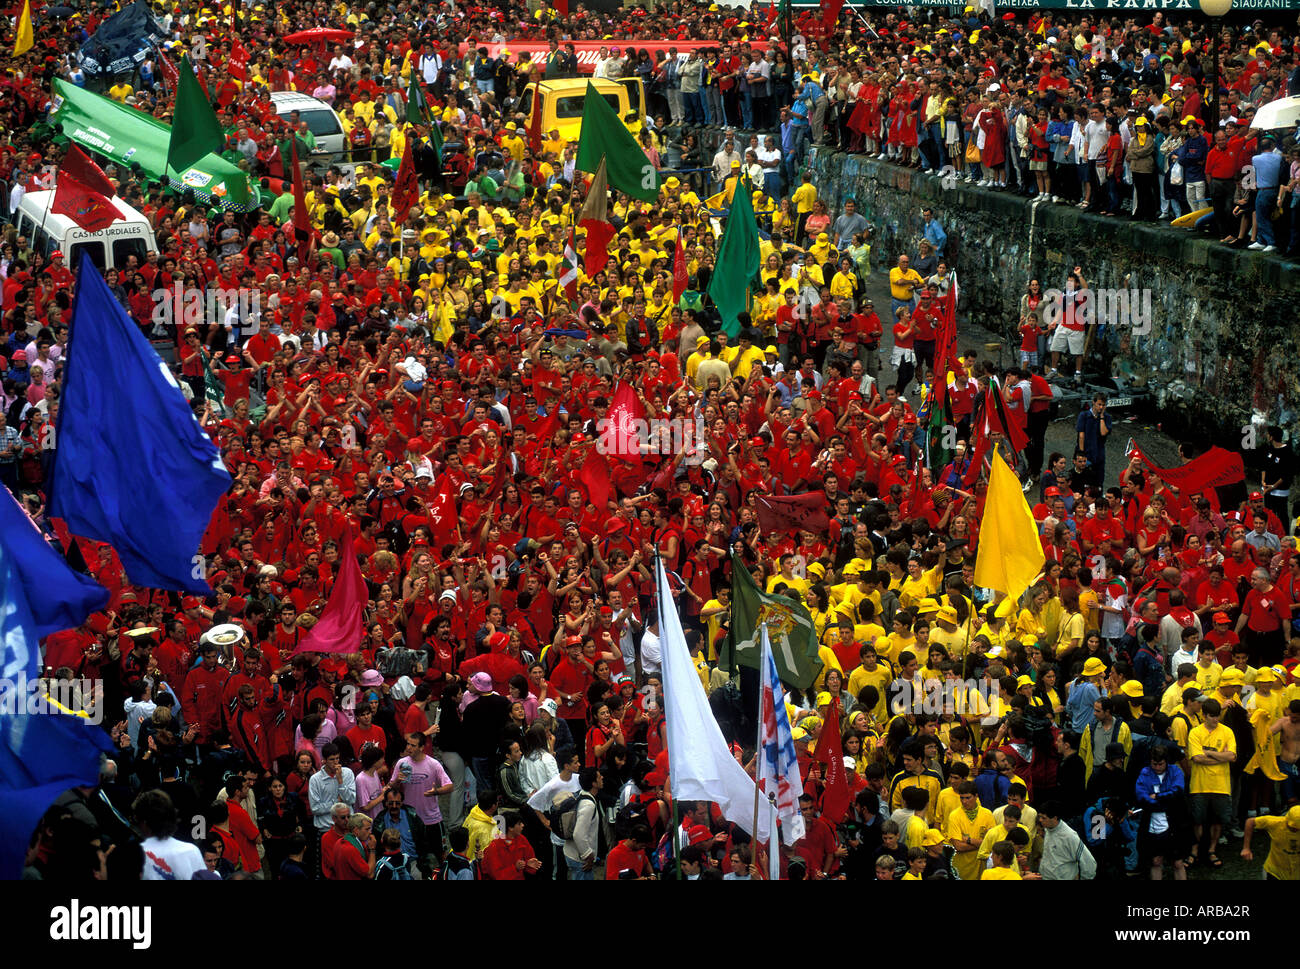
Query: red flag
535,125
171,77
301,218
1000,422
406,187
595,477
83,193
830,751
442,514
340,626
500,475
562,7
831,13
1215,468
783,513
238,66
594,218
680,276
622,435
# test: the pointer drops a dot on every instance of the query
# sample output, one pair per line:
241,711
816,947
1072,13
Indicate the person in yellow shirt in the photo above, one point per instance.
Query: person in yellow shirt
902,639
786,575
698,357
1283,861
871,672
904,281
965,829
804,198
915,775
1208,671
120,92
1211,748
916,862
1173,695
947,633
1004,858
919,583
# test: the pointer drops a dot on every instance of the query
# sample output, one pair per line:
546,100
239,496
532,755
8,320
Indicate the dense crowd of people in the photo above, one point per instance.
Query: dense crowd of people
502,715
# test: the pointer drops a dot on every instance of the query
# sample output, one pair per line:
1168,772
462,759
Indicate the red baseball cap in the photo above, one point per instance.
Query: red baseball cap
1221,617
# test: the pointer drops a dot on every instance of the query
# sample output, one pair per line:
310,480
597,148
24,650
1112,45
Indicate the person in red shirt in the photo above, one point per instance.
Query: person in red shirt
1264,620
237,828
510,858
1216,594
202,701
818,847
568,685
628,858
354,853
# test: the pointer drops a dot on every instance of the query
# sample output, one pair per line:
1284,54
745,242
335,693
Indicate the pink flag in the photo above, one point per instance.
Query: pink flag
339,628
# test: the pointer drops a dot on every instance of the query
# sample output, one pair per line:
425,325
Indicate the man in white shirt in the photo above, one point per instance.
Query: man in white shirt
165,858
340,61
651,648
566,781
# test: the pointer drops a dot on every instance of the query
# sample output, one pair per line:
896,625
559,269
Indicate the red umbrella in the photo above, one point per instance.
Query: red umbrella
318,35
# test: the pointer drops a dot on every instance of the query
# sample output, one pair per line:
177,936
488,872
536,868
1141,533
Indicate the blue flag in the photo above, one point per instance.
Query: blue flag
59,597
132,466
42,752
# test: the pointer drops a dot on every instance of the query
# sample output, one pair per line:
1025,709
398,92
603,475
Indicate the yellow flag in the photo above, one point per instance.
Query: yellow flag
1010,555
23,41
446,327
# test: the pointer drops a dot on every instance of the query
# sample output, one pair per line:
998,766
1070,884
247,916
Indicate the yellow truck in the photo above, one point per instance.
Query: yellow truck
561,103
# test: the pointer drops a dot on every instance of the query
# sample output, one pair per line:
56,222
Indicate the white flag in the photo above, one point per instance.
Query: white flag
700,765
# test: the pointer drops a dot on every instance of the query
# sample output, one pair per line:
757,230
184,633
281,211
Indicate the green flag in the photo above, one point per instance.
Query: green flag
195,129
435,139
738,260
940,436
417,109
605,136
789,626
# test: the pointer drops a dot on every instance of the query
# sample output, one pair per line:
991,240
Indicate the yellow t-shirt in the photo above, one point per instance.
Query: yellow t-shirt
1000,875
1283,859
804,198
1088,606
960,827
880,678
898,280
1210,778
1207,677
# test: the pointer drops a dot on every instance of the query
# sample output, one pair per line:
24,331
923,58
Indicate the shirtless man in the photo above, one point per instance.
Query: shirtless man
1287,758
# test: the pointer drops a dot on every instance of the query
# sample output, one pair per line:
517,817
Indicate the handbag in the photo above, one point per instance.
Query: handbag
972,152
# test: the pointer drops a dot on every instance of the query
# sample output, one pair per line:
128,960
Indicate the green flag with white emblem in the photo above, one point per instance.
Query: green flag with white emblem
789,626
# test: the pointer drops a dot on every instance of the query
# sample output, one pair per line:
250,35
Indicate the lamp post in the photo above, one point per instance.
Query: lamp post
1215,10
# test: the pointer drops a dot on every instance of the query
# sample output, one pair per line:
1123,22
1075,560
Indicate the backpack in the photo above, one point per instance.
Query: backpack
666,852
391,869
457,863
563,813
629,816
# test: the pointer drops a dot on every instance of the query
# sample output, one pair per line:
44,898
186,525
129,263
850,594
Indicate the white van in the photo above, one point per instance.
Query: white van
108,248
322,122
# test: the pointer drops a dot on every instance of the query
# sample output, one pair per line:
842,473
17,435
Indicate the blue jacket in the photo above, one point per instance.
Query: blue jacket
1079,706
1191,155
935,235
1173,784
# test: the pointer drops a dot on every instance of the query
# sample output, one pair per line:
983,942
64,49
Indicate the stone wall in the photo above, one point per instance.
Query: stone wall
1223,342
